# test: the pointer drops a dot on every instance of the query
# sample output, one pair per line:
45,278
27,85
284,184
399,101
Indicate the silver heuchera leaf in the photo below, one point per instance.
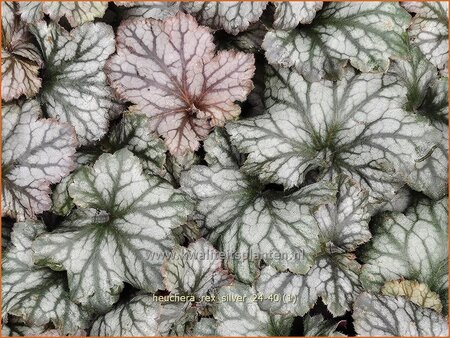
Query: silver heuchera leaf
247,222
317,326
149,9
411,246
427,96
355,126
141,316
75,89
76,12
170,72
205,327
194,270
119,233
35,153
21,59
429,30
232,16
376,315
289,14
238,314
366,34
36,294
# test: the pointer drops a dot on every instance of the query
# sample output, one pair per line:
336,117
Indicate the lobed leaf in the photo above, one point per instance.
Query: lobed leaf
119,233
75,89
35,153
160,10
367,34
36,294
170,72
232,16
289,14
21,59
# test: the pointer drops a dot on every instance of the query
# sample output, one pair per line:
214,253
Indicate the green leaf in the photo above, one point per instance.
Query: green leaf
410,246
427,96
21,59
317,326
232,16
76,12
194,270
74,87
366,34
248,222
141,316
119,233
36,294
35,153
238,314
429,30
376,315
355,126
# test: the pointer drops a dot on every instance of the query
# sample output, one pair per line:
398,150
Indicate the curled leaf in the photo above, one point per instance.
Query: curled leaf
21,59
35,153
170,72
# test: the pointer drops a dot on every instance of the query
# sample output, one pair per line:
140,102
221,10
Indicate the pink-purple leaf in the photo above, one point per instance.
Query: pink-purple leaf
170,71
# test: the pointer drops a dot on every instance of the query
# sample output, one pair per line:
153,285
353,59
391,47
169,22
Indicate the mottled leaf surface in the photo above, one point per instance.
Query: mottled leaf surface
317,326
140,316
429,30
35,153
36,294
21,59
119,233
427,96
248,221
244,317
376,315
194,270
232,16
76,12
289,14
367,34
75,89
149,9
412,246
170,72
355,126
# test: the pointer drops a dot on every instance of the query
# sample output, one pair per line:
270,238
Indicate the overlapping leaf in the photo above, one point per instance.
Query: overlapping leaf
429,30
75,89
289,14
119,233
411,246
149,9
35,153
376,315
355,126
76,12
247,221
334,276
36,294
194,270
169,71
20,58
141,316
317,326
232,16
427,96
243,317
366,34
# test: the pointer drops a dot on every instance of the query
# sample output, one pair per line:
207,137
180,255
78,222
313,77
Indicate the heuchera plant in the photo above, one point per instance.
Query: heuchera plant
224,168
